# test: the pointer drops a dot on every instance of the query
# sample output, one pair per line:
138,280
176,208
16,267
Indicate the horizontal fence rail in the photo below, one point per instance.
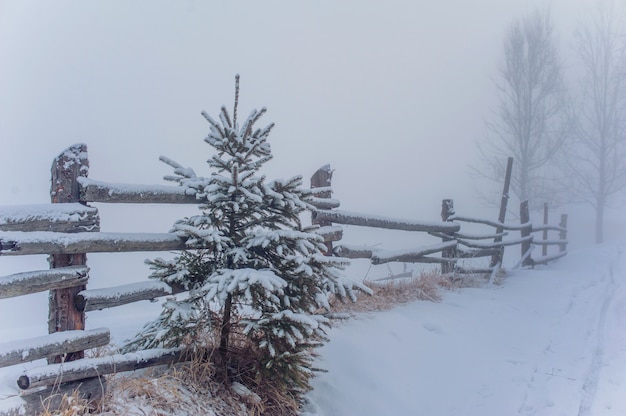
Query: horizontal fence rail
97,367
21,284
351,218
15,243
18,352
65,218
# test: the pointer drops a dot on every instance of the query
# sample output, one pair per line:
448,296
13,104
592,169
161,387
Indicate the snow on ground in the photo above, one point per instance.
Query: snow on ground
550,341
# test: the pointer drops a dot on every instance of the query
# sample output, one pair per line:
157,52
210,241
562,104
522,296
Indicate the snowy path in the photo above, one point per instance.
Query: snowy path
547,342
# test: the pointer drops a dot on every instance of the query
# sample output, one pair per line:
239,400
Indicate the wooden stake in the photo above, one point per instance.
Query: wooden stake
563,233
525,218
322,179
63,315
497,259
447,210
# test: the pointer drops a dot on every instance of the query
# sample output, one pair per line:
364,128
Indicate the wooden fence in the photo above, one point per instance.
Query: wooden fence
67,229
454,245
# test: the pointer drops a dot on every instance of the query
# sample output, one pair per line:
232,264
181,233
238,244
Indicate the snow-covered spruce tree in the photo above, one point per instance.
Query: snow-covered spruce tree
249,268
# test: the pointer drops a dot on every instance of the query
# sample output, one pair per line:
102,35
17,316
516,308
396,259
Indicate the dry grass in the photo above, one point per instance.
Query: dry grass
71,405
390,293
183,390
192,388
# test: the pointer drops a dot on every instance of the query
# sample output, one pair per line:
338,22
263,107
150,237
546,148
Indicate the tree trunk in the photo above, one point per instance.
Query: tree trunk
602,193
225,338
600,222
544,249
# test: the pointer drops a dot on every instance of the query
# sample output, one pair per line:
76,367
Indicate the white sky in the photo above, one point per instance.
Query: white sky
392,94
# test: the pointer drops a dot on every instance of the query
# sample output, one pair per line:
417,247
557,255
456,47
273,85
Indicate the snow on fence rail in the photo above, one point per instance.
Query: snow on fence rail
67,229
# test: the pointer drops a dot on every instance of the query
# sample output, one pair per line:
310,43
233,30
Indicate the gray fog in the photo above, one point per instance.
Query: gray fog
393,95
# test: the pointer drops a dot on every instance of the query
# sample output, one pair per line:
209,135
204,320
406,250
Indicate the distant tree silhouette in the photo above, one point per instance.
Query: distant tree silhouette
530,122
596,159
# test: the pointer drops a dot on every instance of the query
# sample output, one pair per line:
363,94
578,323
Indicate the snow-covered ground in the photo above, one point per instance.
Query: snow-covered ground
550,341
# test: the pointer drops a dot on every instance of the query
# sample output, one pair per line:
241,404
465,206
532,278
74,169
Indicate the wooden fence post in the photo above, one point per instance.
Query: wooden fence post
544,249
563,233
497,258
322,179
447,210
63,315
525,218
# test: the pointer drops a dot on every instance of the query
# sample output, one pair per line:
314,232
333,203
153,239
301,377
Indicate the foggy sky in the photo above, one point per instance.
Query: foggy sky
392,95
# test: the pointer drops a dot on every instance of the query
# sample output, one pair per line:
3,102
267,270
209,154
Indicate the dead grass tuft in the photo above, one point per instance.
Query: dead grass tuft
388,294
176,392
69,405
192,388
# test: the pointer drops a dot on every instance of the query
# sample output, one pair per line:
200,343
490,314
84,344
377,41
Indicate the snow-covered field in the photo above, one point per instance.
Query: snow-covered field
550,341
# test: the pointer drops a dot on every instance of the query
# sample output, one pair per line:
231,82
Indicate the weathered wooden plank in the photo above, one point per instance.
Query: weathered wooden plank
97,191
20,243
549,242
464,253
477,270
20,284
548,228
354,252
98,299
467,236
508,226
436,260
330,233
350,218
67,218
361,252
410,256
322,203
58,343
495,245
404,275
93,367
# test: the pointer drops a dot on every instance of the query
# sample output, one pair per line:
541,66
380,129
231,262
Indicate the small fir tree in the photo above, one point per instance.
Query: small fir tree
249,269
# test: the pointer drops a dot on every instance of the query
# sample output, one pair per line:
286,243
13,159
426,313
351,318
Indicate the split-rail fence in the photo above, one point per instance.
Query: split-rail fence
68,229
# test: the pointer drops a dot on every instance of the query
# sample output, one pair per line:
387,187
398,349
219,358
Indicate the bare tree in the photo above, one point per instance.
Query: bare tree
530,122
597,156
